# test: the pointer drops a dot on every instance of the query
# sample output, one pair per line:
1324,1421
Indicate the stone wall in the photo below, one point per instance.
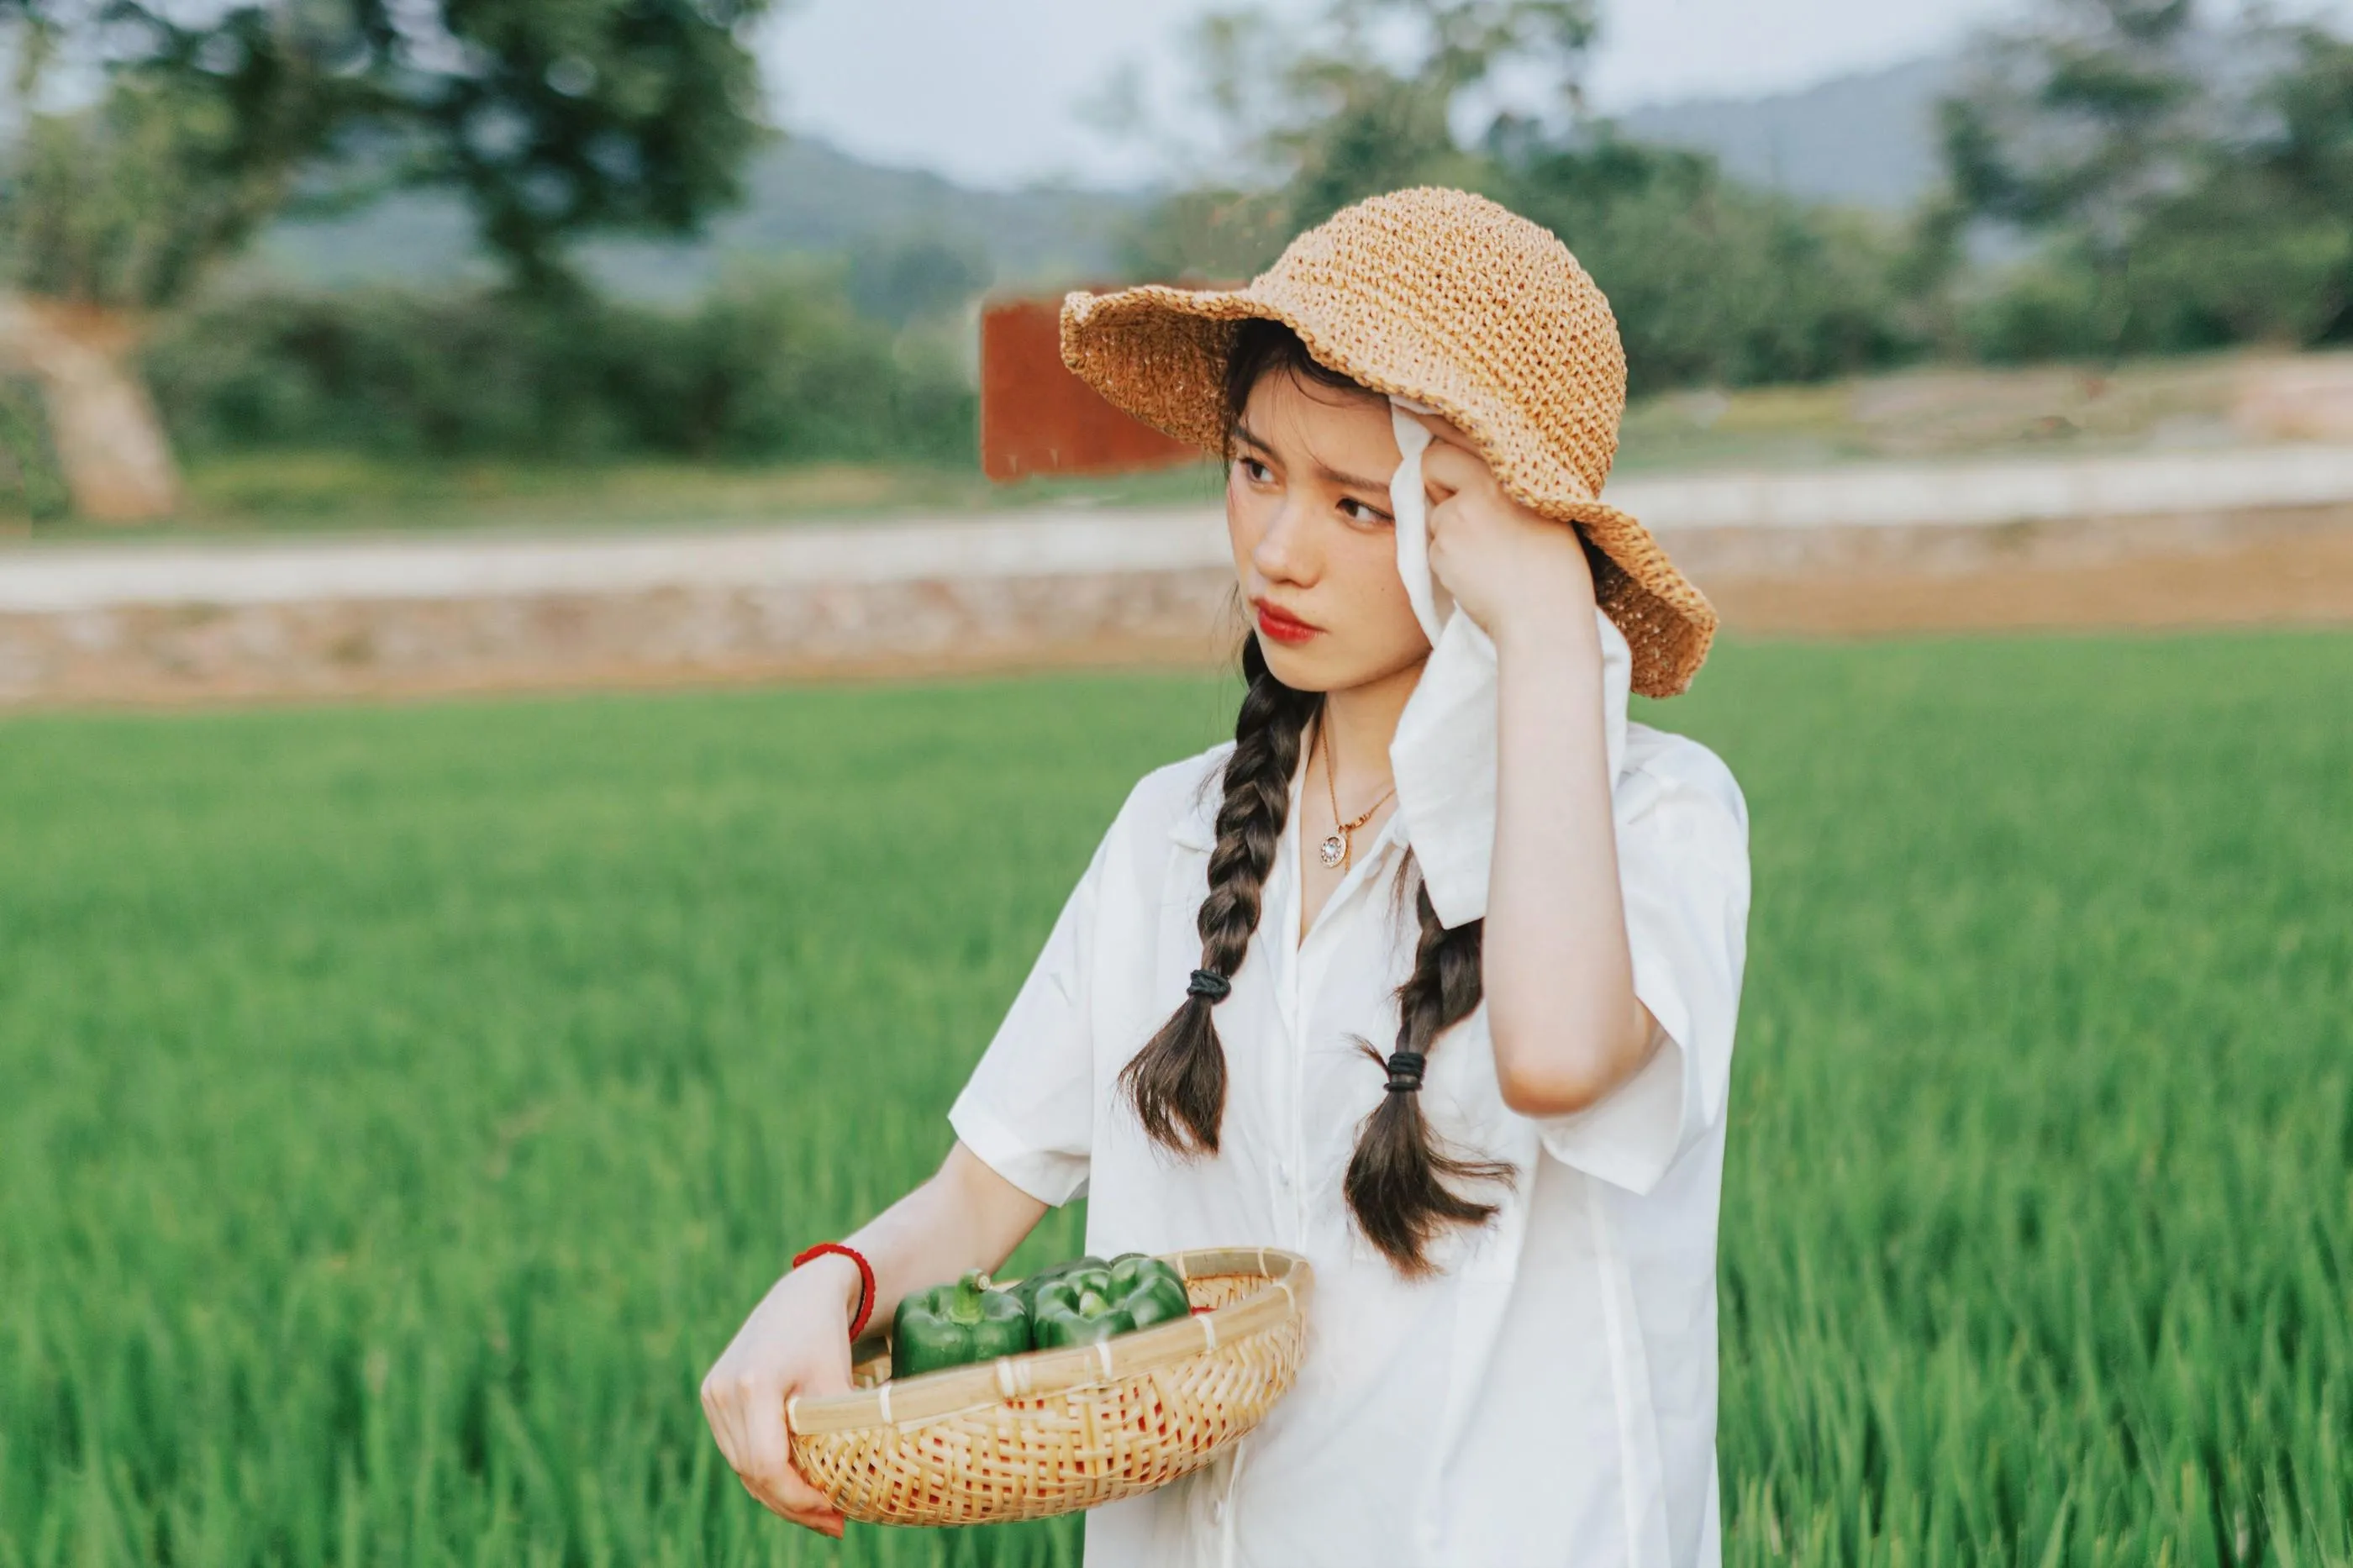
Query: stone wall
149,653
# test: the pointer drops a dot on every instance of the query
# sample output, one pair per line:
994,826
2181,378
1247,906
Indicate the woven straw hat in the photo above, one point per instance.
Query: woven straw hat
1448,300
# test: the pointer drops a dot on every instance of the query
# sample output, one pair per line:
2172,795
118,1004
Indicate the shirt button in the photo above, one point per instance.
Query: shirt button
1217,1512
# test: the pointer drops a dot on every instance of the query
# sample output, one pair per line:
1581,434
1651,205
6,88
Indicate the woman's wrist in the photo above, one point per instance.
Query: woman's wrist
1546,635
836,1278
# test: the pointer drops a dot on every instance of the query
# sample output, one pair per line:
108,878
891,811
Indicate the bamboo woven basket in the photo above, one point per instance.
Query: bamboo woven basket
1049,1432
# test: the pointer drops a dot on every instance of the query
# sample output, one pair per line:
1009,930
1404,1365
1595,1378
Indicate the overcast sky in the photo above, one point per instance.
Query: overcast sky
987,90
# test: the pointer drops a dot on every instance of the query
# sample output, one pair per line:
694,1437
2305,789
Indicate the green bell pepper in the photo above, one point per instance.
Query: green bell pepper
954,1325
1086,1306
1132,1273
1027,1289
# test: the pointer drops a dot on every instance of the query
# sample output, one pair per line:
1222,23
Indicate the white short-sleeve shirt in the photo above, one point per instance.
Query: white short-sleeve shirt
1549,1396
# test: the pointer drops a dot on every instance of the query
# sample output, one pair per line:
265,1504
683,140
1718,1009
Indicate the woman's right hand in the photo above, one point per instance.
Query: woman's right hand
797,1341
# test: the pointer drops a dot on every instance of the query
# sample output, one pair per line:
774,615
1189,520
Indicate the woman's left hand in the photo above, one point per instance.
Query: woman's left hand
1505,566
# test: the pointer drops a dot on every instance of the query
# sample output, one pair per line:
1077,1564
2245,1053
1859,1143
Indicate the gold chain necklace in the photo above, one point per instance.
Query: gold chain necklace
1339,849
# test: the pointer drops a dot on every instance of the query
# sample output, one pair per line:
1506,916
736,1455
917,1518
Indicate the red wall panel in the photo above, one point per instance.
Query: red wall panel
1036,417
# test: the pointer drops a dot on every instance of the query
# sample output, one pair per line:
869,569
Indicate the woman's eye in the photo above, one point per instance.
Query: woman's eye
1256,472
1361,512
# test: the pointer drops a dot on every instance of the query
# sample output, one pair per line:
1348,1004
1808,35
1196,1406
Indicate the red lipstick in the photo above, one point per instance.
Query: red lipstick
1282,627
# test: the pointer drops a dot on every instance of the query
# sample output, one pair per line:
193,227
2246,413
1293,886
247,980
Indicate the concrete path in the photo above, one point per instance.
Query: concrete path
40,579
1992,494
47,579
2229,537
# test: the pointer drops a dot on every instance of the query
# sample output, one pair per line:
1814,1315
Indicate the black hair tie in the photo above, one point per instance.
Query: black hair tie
1210,983
1405,1071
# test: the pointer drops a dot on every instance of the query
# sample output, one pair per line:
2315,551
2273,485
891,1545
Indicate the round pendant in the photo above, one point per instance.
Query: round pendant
1333,850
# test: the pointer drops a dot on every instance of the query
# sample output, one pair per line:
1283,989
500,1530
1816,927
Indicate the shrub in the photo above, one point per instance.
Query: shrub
773,365
1713,282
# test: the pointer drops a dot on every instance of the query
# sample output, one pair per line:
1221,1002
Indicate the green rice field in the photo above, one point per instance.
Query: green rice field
399,1106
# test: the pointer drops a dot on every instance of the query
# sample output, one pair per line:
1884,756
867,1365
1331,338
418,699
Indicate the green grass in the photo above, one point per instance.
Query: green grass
263,493
399,1106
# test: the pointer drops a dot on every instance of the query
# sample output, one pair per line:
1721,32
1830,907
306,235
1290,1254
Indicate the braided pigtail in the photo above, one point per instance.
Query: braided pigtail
1397,1183
1177,1081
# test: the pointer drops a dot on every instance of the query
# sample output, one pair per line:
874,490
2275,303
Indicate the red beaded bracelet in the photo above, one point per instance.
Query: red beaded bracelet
865,1280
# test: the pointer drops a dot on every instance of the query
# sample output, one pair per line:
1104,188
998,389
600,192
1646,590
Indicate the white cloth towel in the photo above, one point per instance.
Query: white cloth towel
1443,756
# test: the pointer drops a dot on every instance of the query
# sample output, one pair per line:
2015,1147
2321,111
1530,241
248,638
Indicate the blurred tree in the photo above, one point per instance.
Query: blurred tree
106,212
2307,154
2076,125
911,278
1371,96
2241,259
1710,281
1215,234
553,118
125,203
2182,186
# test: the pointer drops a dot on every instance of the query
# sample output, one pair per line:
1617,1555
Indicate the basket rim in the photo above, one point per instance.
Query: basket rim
1290,1283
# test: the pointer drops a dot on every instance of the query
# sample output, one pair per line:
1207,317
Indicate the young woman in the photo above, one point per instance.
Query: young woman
1434,828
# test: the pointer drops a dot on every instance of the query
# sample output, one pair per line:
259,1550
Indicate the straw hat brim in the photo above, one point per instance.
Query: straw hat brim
1159,353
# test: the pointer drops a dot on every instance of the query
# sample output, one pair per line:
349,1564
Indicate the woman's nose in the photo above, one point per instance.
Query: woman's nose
1285,552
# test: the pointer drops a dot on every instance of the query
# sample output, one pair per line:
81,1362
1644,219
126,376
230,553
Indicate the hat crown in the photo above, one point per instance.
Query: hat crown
1448,299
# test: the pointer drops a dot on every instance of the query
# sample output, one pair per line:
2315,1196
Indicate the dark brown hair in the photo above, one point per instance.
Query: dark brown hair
1398,1182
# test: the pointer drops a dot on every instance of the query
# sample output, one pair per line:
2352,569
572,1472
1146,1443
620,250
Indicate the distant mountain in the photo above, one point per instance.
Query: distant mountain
1867,140
801,196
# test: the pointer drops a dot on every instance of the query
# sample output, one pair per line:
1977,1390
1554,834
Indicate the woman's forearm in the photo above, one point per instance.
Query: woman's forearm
965,1217
1559,976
